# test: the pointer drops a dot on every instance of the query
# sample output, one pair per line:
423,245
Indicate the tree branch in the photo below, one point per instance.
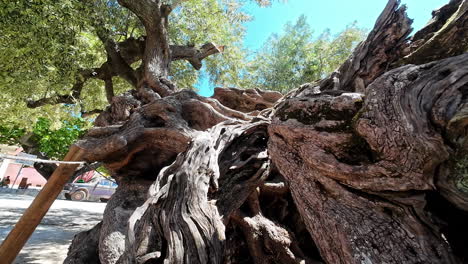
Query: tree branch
195,55
120,56
92,112
46,169
108,85
131,50
120,66
449,24
372,57
80,80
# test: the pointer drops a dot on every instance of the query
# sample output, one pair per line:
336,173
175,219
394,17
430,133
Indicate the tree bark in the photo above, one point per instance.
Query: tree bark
349,161
46,169
365,166
157,56
449,24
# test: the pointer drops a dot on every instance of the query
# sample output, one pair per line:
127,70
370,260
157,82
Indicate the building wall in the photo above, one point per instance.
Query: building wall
33,177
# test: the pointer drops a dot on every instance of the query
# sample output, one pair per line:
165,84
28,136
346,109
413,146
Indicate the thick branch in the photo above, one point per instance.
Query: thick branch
195,55
371,58
92,112
156,57
46,169
124,54
119,65
246,100
449,25
80,80
109,89
132,50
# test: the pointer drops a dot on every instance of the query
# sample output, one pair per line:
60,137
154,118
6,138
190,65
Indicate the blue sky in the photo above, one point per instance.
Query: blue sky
321,15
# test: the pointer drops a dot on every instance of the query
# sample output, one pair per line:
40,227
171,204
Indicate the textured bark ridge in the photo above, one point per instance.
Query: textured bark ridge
249,100
368,162
368,165
383,46
449,25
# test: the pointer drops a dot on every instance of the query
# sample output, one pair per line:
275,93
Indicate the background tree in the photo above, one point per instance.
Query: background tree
296,57
47,139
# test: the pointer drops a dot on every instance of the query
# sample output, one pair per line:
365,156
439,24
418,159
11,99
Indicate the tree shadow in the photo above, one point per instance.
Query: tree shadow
49,242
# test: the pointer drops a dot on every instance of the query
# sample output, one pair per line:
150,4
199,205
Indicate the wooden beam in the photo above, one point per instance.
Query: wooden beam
31,218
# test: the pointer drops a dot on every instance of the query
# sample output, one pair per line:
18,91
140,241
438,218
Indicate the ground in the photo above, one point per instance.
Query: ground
50,241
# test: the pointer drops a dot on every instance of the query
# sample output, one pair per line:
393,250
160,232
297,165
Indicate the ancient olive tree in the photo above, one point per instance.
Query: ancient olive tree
62,57
363,166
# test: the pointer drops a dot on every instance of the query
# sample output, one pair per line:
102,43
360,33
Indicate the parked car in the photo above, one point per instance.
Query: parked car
94,190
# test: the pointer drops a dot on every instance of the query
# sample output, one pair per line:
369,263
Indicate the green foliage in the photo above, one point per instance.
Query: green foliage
11,135
54,142
295,57
43,43
220,21
52,138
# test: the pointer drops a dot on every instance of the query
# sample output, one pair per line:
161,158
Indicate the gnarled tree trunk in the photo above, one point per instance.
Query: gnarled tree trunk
365,166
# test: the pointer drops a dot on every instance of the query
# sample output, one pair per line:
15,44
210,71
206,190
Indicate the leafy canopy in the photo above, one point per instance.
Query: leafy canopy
44,44
54,143
296,57
51,141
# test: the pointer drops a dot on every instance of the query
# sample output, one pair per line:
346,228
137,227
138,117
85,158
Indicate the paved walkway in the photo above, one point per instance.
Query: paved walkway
49,243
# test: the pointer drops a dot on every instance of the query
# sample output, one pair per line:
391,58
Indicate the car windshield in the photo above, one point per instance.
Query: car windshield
105,183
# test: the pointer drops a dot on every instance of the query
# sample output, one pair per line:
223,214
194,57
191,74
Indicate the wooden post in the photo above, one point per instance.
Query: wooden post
31,218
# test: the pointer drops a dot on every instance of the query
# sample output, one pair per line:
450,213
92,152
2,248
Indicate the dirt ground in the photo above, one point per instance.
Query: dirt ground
49,243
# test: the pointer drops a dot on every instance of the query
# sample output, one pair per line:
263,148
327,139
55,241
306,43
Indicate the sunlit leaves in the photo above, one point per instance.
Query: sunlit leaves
53,139
43,44
196,22
296,57
11,135
54,142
